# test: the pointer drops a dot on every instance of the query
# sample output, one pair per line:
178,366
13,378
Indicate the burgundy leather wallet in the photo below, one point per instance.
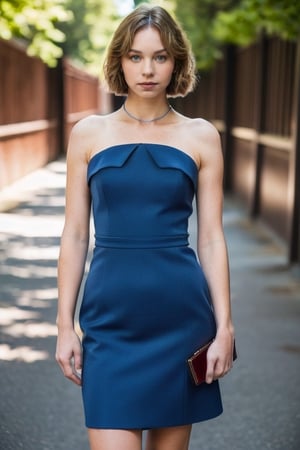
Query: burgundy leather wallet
198,363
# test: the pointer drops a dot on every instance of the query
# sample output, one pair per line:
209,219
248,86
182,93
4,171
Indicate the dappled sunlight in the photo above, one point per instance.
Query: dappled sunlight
29,249
31,226
49,181
31,271
30,252
39,298
51,176
19,324
10,315
31,329
48,199
24,353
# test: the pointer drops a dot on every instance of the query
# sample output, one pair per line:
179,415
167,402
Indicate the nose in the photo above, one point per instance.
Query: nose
147,67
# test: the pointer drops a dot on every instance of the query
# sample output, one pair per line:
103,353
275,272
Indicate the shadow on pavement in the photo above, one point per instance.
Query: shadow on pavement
40,410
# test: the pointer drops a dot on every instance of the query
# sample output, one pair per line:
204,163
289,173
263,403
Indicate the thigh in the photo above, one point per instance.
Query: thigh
102,439
175,438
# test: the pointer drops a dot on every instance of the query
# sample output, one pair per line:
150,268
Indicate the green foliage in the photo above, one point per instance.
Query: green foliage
34,21
211,23
87,35
197,19
79,29
82,28
242,24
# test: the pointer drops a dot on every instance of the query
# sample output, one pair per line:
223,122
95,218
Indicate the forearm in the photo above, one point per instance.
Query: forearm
71,266
214,261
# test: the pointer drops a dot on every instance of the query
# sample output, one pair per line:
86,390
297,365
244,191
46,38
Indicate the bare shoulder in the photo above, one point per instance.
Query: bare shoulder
85,135
204,140
89,125
203,132
200,139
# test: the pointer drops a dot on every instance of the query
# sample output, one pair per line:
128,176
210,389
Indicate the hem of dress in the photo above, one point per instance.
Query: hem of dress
154,426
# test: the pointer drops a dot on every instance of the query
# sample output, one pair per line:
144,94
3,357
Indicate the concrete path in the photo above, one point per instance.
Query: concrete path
40,410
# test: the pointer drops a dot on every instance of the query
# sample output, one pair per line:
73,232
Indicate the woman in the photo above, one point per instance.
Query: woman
147,305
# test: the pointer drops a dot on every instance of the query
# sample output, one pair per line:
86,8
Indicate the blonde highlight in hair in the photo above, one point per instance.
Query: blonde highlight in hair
173,38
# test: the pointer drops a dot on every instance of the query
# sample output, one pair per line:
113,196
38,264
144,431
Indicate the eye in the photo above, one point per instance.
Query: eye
135,58
161,58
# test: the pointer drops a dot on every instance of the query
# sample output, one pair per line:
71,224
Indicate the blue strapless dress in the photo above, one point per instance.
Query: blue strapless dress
146,305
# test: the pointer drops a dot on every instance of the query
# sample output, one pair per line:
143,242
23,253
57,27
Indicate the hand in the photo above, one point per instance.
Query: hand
69,355
219,357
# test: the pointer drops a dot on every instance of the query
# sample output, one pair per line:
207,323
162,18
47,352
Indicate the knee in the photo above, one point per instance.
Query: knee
175,438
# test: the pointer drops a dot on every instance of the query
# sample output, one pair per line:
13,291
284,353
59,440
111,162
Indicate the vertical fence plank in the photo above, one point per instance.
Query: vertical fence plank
259,114
294,172
228,115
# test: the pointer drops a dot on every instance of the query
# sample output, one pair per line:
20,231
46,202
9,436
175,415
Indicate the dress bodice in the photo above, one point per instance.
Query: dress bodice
141,192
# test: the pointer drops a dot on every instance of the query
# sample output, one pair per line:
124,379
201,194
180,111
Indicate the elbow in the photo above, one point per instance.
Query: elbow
75,236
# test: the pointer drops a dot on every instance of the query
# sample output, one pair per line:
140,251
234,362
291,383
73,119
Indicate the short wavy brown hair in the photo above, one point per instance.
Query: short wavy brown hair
173,38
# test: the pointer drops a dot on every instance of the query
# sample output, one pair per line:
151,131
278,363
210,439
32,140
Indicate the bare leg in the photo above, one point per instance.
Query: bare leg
175,438
102,439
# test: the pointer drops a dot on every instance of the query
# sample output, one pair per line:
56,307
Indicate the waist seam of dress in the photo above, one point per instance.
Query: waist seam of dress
141,242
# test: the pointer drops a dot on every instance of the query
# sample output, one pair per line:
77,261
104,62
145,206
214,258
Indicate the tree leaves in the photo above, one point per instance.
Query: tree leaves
243,23
89,32
211,23
82,28
34,22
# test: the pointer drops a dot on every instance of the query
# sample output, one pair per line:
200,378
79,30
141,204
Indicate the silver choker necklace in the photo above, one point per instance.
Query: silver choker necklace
145,120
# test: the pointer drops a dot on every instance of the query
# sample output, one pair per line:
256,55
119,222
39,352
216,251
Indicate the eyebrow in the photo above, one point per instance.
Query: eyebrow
138,51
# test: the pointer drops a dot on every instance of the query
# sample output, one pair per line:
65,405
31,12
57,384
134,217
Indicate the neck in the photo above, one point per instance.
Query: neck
146,112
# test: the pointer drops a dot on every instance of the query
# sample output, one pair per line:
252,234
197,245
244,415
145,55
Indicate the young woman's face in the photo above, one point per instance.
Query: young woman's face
147,67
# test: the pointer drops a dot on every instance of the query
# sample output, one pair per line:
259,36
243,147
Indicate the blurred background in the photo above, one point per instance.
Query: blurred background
248,61
247,54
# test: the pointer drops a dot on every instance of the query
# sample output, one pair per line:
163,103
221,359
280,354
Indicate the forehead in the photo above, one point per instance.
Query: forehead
147,38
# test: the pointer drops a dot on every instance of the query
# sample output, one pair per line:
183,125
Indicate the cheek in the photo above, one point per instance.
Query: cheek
128,69
125,65
125,73
169,71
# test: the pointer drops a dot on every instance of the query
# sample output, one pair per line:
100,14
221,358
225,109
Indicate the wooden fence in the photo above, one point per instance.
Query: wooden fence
38,106
253,98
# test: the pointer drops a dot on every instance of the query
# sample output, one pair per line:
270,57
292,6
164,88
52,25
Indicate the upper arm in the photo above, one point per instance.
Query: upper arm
77,212
210,186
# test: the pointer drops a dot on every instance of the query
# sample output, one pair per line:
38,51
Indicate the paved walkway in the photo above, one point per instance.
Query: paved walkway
40,410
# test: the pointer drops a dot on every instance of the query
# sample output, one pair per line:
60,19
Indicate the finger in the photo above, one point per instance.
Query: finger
76,364
68,370
221,369
210,370
73,376
75,379
78,361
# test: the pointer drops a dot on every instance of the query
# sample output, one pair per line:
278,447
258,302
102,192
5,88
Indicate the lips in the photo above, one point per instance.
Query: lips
147,84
